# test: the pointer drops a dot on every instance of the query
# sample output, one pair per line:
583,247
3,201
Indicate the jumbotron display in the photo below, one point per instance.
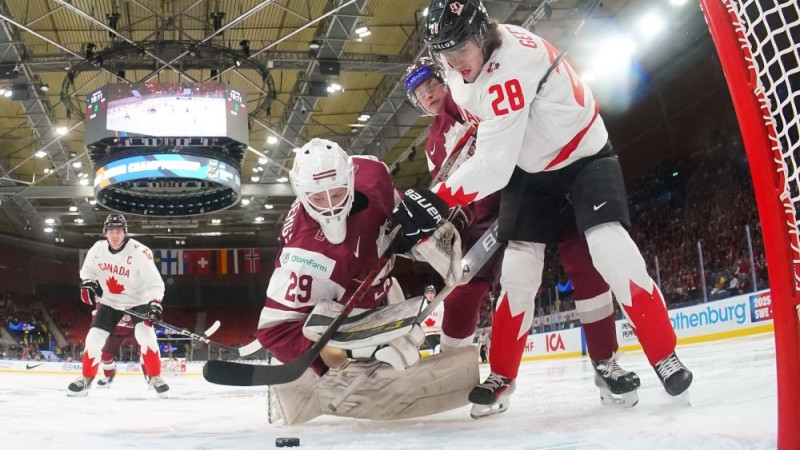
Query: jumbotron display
166,149
167,184
166,110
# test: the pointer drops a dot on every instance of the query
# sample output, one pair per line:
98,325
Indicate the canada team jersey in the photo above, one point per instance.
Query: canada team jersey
517,127
128,277
309,268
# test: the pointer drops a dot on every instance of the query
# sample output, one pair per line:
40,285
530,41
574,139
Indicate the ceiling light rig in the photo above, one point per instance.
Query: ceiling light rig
124,58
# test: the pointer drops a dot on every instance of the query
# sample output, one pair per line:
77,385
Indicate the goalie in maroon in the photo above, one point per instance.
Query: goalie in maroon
427,91
332,237
119,274
545,147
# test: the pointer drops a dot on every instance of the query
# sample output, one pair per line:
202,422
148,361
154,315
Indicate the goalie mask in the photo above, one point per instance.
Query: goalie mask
418,73
450,23
322,178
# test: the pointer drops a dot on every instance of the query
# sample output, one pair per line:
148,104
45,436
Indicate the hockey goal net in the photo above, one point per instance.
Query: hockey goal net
758,42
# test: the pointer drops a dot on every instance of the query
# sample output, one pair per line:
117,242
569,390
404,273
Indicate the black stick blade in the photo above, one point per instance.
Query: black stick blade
229,373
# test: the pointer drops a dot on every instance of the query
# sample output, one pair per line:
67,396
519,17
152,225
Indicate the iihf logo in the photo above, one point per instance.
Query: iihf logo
493,66
285,258
456,8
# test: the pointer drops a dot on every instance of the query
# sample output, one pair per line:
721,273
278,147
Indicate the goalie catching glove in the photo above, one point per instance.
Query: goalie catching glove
419,214
443,252
90,291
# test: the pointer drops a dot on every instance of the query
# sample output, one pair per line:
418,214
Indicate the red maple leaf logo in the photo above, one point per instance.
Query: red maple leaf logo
458,198
430,322
113,286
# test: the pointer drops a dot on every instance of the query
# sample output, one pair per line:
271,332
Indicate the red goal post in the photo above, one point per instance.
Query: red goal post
759,48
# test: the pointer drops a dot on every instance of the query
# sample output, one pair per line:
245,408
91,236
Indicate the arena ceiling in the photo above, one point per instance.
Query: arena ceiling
42,157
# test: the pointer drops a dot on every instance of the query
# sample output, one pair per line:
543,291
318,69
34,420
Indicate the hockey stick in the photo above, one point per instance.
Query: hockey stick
460,146
232,373
198,337
586,16
471,264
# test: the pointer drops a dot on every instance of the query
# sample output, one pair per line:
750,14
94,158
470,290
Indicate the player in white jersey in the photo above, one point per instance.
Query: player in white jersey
546,149
119,274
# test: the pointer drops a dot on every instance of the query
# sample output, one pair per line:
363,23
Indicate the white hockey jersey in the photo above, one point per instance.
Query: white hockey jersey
517,127
128,278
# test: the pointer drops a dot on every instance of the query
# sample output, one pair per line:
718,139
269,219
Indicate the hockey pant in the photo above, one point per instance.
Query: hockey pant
148,345
617,259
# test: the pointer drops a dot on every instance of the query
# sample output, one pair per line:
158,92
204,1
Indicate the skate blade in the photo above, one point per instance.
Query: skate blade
683,398
626,400
481,411
82,393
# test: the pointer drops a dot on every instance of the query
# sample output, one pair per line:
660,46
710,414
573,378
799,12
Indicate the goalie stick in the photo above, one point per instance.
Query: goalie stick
232,373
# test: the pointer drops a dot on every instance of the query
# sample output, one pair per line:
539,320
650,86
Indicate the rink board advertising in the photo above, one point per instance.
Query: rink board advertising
166,110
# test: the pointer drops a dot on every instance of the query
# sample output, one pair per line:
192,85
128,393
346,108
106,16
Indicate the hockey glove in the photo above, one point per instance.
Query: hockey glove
90,291
419,214
154,311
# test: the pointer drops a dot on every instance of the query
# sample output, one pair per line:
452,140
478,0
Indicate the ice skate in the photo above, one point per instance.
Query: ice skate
105,382
491,396
617,385
80,387
675,377
159,385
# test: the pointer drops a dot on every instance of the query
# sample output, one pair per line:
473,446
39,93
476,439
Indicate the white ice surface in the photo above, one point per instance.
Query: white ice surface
556,406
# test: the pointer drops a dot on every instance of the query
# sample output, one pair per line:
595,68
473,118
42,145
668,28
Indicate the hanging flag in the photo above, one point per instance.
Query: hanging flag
251,258
222,261
171,262
198,261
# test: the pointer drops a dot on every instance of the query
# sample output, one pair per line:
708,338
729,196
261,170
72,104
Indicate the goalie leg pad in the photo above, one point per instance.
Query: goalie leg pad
436,384
296,402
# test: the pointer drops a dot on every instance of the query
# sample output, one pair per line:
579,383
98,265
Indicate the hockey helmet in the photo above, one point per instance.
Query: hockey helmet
423,70
323,167
430,288
450,23
115,221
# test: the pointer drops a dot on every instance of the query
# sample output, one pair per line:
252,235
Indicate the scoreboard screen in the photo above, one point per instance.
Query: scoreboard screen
166,110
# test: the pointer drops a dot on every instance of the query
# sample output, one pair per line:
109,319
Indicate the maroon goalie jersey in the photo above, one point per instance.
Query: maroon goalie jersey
309,268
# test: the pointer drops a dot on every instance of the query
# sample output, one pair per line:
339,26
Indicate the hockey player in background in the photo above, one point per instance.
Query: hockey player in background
119,274
545,150
332,237
427,91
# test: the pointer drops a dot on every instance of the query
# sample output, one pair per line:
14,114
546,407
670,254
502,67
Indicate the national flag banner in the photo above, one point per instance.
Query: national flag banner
222,261
171,262
197,261
251,260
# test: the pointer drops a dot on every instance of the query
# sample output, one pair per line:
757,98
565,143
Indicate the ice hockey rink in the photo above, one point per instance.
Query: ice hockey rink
556,406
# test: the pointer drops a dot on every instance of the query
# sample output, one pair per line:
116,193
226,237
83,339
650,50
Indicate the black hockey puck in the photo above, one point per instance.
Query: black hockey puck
287,442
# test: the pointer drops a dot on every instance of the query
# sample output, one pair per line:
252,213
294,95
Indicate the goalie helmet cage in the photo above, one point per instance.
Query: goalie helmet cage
758,42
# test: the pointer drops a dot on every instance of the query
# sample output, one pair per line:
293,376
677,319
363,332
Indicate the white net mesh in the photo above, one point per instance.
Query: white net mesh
771,31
